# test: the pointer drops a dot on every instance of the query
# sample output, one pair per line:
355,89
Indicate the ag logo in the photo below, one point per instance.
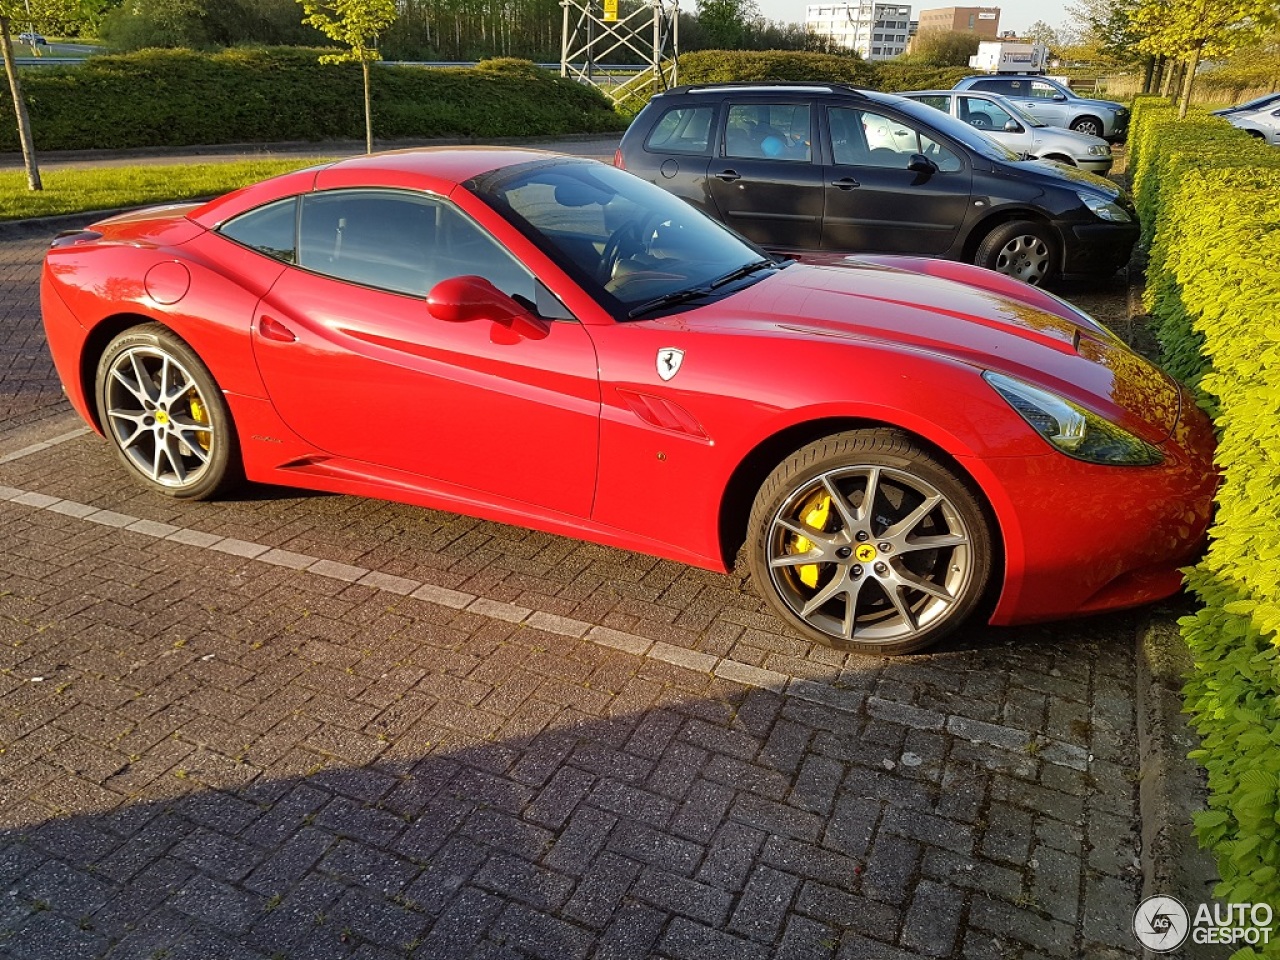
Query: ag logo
1161,924
669,360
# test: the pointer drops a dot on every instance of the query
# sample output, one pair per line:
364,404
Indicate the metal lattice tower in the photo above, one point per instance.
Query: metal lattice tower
593,31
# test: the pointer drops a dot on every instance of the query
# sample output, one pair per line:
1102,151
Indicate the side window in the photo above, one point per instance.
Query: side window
995,85
864,138
768,131
268,229
1043,91
983,114
401,243
940,102
682,130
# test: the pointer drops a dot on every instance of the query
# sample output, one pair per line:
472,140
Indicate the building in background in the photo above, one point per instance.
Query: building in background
983,21
877,31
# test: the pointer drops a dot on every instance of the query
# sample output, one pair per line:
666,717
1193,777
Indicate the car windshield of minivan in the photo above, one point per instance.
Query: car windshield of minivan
972,138
639,248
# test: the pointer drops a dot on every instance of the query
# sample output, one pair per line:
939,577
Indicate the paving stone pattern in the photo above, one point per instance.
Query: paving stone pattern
229,753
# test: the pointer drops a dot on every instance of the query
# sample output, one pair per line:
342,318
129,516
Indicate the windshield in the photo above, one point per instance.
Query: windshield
631,244
975,140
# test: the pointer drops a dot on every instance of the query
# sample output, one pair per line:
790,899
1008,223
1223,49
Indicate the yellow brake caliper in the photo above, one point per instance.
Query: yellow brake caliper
199,415
815,513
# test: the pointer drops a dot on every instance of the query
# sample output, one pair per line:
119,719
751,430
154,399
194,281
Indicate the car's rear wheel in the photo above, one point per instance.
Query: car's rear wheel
864,541
1022,249
164,414
1089,126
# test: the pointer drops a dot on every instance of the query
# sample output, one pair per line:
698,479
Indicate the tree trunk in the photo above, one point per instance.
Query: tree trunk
1188,82
19,109
368,110
1148,73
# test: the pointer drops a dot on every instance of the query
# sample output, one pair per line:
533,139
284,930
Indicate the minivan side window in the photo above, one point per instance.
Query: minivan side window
868,139
682,130
1010,88
768,131
402,243
1044,91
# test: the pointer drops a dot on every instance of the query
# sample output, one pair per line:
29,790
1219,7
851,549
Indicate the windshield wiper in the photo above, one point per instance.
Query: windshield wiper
743,271
668,299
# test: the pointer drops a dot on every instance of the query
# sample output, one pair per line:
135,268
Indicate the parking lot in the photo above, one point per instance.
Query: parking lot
294,725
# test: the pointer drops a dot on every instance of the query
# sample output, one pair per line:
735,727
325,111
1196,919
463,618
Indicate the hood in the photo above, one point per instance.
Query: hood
1098,104
1071,177
1068,140
868,303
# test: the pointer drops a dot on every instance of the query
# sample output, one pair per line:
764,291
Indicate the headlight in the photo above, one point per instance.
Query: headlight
1103,208
1099,150
1073,430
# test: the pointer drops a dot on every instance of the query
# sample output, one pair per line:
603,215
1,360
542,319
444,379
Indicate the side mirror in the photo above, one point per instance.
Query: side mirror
1059,98
1012,126
921,164
467,298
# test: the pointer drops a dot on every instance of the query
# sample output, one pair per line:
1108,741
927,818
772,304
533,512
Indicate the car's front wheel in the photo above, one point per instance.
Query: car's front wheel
1089,126
164,415
1022,249
864,541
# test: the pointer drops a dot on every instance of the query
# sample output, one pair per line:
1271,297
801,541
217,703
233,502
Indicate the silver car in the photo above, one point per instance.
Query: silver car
1022,133
1056,104
1263,124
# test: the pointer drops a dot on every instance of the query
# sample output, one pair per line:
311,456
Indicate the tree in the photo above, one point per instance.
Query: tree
1190,30
944,48
357,25
726,23
1041,32
19,104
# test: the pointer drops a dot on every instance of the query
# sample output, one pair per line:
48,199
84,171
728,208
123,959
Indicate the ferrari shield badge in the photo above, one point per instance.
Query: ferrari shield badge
669,360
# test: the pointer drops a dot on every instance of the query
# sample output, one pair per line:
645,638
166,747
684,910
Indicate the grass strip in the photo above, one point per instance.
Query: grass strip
105,188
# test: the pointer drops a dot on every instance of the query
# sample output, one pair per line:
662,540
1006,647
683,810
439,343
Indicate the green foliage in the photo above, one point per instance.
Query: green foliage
727,66
179,98
943,48
726,22
201,24
356,24
1214,193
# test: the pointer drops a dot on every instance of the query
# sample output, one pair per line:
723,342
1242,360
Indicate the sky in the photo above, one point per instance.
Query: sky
1014,14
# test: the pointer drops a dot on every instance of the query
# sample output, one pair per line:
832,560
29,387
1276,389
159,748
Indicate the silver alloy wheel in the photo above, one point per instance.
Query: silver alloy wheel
1088,126
1026,257
158,417
869,554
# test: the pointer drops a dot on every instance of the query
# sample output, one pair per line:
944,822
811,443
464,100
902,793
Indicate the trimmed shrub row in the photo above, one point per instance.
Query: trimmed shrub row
1212,194
180,98
727,66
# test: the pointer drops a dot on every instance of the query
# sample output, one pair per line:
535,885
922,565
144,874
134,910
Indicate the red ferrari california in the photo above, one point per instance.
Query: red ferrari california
894,445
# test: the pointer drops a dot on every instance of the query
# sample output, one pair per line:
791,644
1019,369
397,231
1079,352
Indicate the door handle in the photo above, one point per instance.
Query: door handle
845,183
728,176
272,329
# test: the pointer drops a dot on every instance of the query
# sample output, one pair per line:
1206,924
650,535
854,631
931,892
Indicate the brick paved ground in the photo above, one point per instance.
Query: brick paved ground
312,726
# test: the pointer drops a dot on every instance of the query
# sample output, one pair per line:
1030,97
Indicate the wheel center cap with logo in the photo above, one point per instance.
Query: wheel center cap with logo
161,417
865,553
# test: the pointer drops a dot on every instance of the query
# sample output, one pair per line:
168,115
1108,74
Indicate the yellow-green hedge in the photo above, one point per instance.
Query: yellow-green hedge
1212,196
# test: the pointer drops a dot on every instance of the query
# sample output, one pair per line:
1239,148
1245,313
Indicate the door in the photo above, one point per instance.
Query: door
676,151
874,202
357,366
765,183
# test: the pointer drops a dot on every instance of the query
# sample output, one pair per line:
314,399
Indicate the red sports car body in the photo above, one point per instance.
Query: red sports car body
551,343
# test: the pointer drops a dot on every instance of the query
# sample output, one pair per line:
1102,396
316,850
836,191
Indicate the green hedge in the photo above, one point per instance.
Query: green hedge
179,98
1215,291
727,66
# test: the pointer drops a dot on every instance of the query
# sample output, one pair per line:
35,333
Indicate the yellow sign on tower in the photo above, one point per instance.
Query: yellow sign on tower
611,9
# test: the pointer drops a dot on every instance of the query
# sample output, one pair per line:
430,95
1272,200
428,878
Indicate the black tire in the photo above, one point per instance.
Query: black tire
164,415
846,547
1089,126
1023,249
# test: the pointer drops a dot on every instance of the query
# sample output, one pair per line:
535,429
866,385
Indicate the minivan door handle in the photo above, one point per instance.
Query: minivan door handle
845,183
728,176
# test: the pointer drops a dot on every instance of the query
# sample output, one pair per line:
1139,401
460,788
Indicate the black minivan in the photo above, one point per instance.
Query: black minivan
803,168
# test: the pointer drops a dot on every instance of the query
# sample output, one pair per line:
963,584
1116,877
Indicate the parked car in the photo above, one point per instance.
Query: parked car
1056,104
1257,103
552,342
33,39
1022,133
1263,123
804,169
